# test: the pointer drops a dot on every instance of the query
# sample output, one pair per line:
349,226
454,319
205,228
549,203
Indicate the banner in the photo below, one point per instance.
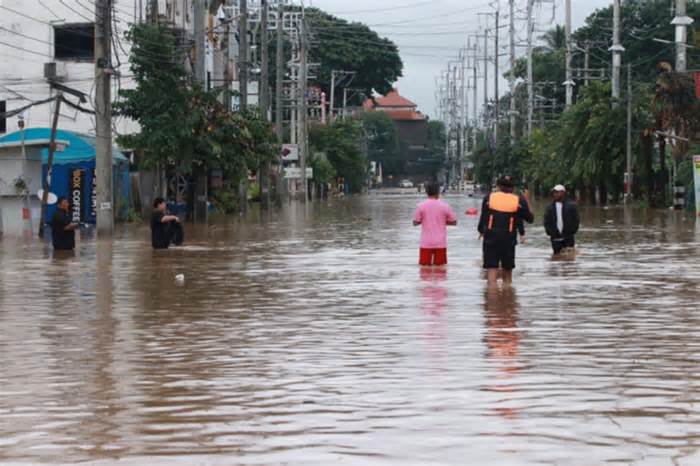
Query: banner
76,182
696,172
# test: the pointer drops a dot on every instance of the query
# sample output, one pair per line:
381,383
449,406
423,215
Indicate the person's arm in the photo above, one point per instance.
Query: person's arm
575,219
451,219
170,218
524,211
548,227
71,227
482,217
418,217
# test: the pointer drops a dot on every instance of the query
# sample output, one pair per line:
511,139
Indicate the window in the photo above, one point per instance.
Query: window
74,42
3,120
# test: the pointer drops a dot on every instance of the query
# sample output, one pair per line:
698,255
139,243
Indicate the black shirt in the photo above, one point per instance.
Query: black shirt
62,239
159,233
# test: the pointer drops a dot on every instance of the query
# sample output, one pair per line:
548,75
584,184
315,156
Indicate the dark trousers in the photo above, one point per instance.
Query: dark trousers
562,243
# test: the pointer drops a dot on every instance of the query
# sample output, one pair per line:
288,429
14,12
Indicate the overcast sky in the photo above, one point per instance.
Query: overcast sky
430,32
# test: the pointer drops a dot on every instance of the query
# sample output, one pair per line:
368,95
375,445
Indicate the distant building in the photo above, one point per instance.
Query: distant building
412,126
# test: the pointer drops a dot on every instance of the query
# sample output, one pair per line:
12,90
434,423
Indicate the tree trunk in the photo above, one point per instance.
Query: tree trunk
663,176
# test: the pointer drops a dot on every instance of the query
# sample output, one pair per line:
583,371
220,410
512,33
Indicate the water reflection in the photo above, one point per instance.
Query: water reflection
502,339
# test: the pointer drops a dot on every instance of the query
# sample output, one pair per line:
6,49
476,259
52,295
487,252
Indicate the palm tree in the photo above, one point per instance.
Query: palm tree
554,39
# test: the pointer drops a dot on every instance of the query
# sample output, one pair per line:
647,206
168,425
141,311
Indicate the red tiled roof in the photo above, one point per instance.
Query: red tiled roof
405,115
394,99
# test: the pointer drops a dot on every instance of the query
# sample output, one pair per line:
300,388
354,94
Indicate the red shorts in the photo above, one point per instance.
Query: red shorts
433,256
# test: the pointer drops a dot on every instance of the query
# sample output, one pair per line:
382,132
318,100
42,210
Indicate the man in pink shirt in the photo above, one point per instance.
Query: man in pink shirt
433,215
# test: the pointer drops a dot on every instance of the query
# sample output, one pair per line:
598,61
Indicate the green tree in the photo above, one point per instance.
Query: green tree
341,144
383,144
352,46
181,124
554,39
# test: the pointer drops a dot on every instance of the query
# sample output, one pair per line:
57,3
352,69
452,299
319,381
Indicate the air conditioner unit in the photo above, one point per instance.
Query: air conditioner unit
55,71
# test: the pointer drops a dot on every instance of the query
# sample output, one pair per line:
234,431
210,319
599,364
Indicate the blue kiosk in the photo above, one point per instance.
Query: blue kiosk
73,173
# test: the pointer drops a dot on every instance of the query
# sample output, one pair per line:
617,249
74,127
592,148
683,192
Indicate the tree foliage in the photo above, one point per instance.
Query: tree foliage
181,123
383,142
352,46
341,144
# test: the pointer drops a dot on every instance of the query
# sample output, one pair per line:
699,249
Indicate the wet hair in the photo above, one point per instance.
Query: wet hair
158,201
432,189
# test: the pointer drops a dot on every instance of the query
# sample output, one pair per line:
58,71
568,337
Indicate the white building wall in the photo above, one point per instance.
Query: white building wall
27,43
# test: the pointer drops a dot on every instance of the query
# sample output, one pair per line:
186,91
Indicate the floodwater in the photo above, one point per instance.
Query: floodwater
311,337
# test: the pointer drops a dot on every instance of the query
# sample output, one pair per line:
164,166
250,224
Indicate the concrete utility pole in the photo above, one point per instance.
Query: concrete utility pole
243,68
199,41
303,110
279,96
486,78
569,83
332,104
511,78
681,21
587,64
201,192
154,11
227,61
496,79
629,180
530,77
279,74
243,64
46,182
264,98
617,50
103,117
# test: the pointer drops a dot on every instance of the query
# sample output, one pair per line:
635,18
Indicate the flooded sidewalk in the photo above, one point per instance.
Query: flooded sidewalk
311,337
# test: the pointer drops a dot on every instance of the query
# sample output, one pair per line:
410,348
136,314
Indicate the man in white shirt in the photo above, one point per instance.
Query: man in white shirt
561,220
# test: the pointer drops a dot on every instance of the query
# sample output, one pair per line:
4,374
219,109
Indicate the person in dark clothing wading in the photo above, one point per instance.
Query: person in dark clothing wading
502,217
165,229
62,227
561,220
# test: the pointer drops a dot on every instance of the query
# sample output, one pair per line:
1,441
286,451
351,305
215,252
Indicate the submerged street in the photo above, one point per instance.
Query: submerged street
311,337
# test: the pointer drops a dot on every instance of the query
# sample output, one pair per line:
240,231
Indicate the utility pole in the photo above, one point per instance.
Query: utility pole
279,94
243,65
511,77
303,111
617,50
332,104
681,21
46,182
264,57
154,11
629,180
200,191
279,74
103,117
486,78
569,78
587,64
264,98
227,61
199,41
496,79
530,77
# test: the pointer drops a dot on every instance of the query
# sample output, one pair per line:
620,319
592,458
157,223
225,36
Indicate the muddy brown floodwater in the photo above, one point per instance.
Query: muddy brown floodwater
311,337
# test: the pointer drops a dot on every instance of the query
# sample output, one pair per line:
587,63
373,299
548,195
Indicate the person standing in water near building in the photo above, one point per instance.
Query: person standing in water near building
561,221
433,215
62,227
502,217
